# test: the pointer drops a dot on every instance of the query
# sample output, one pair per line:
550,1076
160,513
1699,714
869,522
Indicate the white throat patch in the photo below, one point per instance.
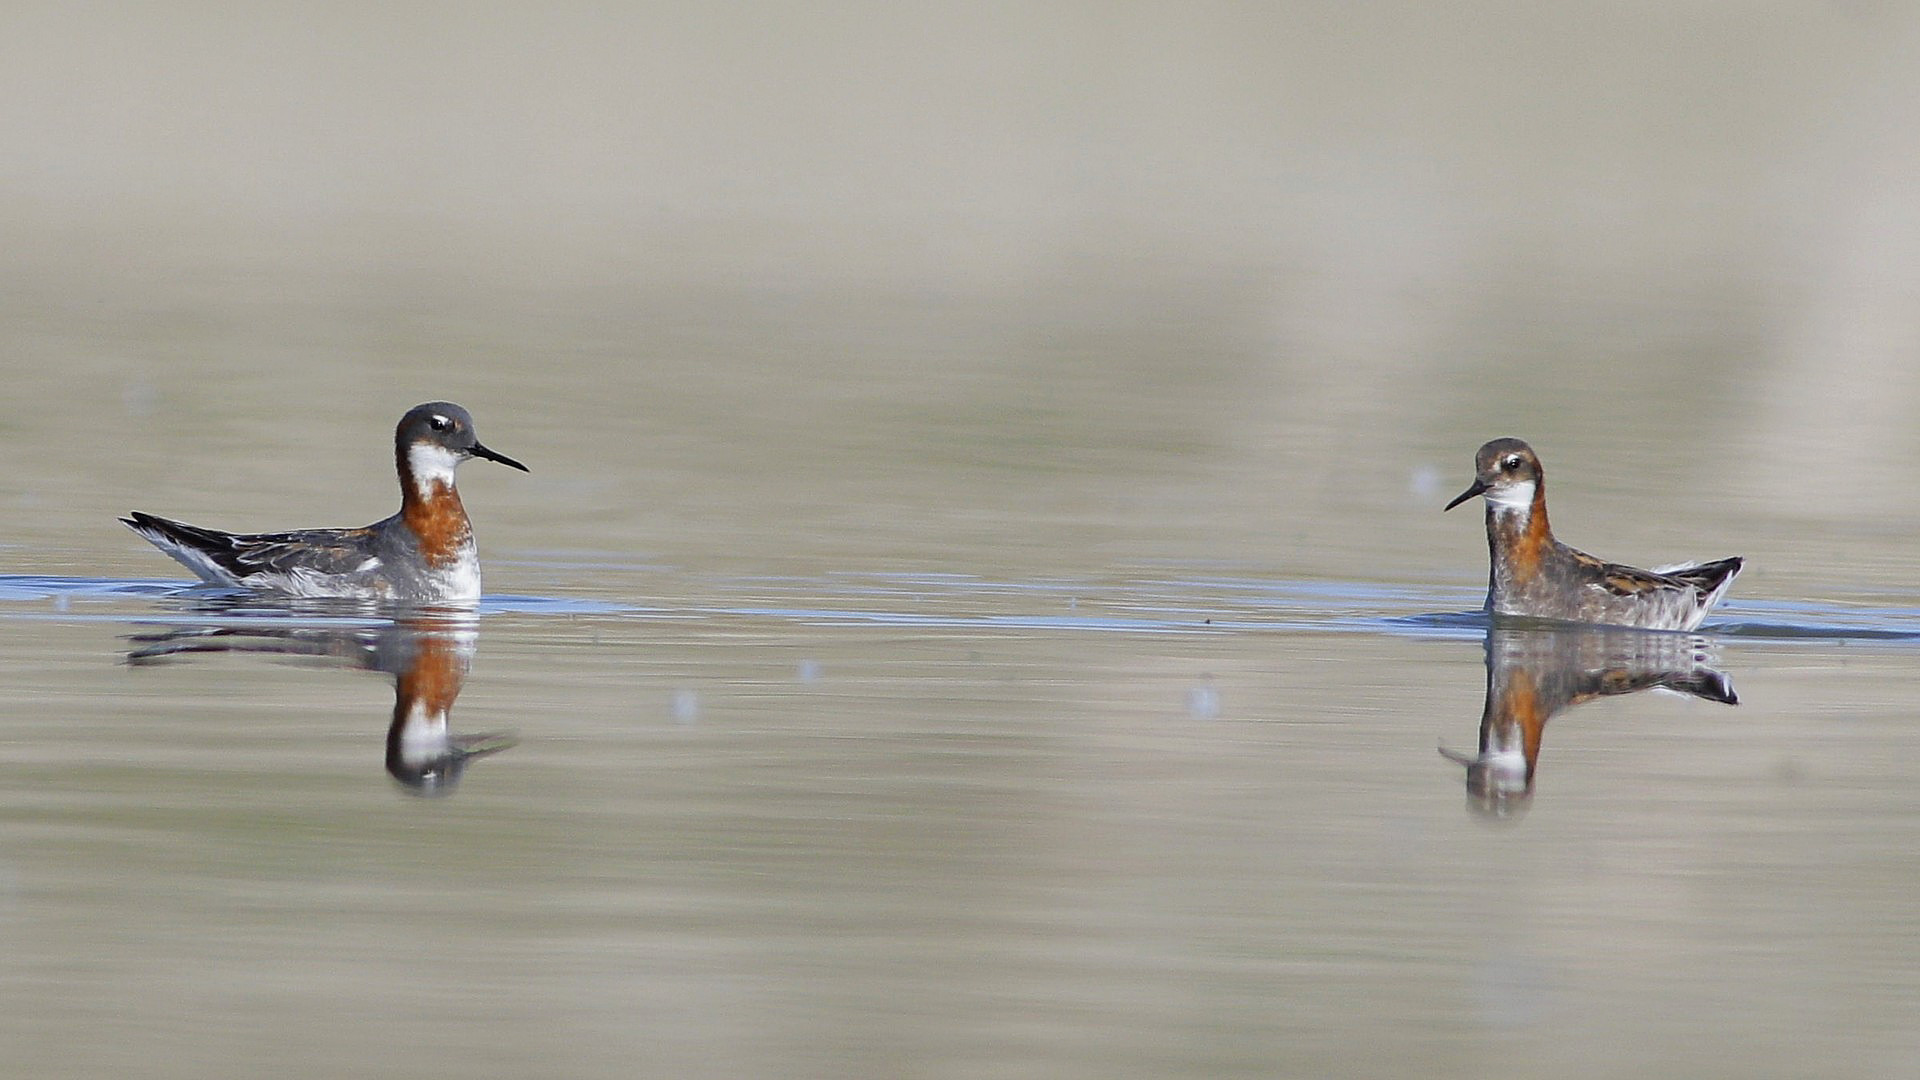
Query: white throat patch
431,465
1514,498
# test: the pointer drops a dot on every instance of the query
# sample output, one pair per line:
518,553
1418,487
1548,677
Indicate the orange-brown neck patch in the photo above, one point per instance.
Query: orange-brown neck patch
439,521
1521,547
1537,538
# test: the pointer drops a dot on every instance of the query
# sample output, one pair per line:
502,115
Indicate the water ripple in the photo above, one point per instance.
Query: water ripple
1162,604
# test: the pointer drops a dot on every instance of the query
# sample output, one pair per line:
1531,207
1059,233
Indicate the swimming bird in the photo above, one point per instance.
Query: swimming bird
1536,576
424,554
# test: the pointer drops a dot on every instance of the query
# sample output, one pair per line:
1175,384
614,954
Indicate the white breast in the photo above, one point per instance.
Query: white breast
458,581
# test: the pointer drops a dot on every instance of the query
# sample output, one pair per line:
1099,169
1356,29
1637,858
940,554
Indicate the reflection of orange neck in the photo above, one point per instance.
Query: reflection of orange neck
1518,707
428,686
439,521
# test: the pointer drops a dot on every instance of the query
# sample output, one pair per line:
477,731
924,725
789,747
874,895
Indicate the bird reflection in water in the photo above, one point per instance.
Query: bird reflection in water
1534,673
427,654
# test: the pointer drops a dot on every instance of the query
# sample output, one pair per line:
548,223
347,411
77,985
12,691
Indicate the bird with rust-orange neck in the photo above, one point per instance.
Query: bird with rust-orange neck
1536,576
424,554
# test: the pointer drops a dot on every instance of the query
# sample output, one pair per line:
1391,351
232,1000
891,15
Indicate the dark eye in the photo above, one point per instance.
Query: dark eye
439,423
1511,463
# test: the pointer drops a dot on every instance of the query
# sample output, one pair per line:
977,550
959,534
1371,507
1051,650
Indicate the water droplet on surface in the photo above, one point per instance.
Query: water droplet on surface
1203,702
1426,482
686,707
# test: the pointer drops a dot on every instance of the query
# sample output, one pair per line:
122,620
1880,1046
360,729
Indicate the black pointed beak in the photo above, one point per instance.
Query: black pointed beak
1478,488
477,450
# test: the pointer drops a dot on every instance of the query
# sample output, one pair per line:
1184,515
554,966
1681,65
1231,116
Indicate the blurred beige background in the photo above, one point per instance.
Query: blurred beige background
1270,271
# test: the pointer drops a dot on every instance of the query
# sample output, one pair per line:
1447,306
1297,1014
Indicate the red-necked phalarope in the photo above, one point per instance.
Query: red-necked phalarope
423,554
1536,576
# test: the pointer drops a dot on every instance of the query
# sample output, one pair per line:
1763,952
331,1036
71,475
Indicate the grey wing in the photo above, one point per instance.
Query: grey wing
245,555
1621,580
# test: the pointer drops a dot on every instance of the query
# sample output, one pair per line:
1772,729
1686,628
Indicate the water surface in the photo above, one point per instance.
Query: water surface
891,822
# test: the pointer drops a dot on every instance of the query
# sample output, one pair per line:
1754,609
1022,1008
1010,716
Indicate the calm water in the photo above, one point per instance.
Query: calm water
892,824
981,605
